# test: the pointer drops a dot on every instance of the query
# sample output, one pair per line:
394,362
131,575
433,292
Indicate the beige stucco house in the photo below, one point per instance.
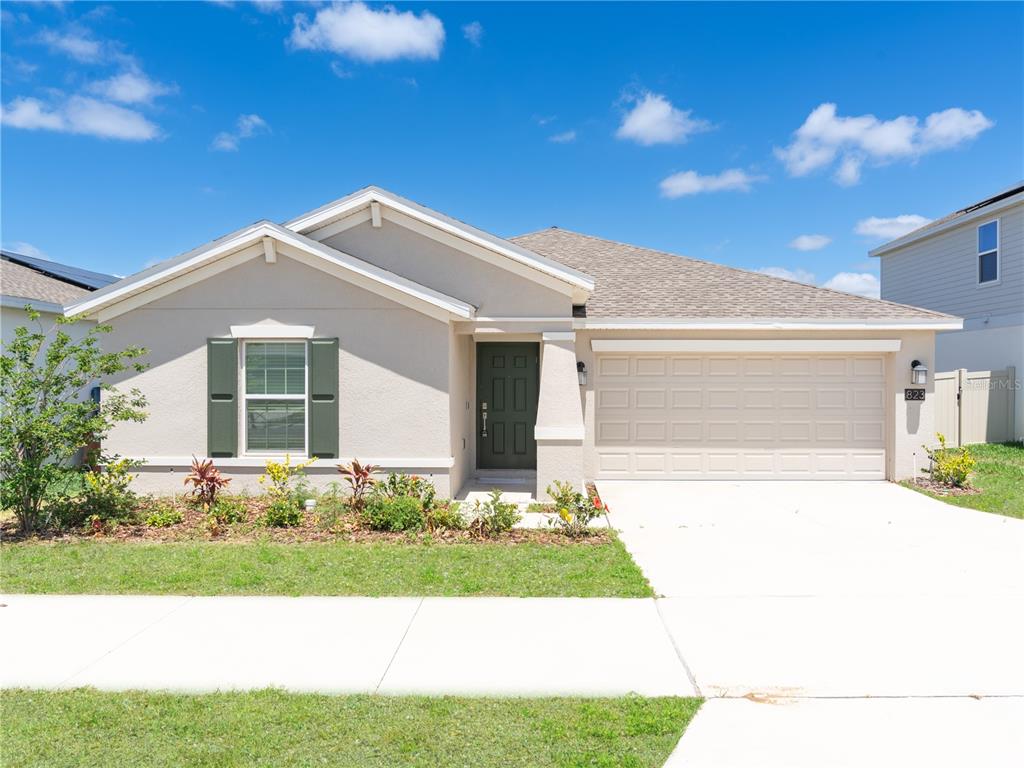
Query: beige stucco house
376,328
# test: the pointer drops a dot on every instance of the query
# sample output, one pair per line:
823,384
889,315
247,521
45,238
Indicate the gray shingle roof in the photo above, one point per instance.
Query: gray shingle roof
22,282
633,282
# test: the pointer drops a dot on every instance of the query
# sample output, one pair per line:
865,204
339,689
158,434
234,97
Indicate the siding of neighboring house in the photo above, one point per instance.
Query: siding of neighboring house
941,272
494,291
393,366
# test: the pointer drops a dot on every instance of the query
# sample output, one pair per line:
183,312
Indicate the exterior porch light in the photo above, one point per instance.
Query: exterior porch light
581,372
918,373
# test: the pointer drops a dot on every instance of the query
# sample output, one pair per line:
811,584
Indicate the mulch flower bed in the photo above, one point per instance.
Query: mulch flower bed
941,489
326,522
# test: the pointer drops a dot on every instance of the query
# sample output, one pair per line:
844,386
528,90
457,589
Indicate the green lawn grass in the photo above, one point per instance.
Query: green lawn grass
999,474
85,727
328,568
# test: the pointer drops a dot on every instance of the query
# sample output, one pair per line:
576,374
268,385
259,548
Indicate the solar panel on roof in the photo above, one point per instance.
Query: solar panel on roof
74,275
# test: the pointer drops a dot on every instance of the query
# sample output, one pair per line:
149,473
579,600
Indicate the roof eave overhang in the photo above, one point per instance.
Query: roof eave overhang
582,285
980,214
406,291
769,324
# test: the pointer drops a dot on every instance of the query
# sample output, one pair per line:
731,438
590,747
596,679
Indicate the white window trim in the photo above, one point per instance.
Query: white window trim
979,253
243,426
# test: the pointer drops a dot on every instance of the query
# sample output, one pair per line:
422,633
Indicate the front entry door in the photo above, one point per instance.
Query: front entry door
507,385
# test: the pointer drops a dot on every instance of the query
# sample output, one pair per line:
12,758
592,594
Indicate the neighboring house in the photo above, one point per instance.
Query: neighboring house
971,264
379,329
46,285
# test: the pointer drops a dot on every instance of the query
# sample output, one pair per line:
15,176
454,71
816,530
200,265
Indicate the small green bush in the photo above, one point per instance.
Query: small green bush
573,510
493,516
445,516
107,495
282,513
406,485
226,510
950,466
402,513
163,516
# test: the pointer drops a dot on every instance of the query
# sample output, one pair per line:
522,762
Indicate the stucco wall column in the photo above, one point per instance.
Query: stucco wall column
559,431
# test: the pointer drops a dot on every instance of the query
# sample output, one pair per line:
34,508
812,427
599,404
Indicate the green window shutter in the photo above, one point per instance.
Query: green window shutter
323,398
222,397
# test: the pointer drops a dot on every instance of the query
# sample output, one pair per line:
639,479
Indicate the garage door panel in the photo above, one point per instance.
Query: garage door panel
763,416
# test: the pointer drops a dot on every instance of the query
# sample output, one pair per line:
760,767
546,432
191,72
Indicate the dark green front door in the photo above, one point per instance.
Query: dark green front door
506,405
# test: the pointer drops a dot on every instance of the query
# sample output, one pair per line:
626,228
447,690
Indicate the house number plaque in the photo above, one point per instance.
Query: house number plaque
913,394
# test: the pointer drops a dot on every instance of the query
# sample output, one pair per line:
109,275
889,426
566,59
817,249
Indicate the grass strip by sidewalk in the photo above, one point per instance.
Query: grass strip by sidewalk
85,727
330,568
998,475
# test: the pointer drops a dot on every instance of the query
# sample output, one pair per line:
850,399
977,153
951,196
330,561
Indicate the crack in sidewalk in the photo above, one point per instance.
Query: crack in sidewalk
398,647
675,646
185,599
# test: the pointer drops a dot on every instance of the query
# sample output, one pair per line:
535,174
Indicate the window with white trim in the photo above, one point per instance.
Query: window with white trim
275,396
988,252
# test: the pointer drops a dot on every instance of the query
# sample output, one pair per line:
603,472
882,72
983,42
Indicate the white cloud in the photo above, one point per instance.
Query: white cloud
825,137
796,275
355,30
76,43
693,183
131,87
859,283
565,137
653,120
890,228
245,127
474,32
79,115
26,249
810,242
340,71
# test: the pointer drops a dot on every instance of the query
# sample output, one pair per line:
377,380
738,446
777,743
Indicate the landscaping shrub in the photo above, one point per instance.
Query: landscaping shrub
107,494
360,480
445,516
226,511
280,478
282,513
493,516
573,510
163,516
407,485
45,422
400,513
950,466
207,482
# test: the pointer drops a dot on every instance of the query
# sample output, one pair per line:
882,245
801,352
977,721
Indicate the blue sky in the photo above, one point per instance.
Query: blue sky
788,137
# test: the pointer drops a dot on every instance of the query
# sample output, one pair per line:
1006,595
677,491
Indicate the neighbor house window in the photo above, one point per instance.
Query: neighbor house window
275,396
988,252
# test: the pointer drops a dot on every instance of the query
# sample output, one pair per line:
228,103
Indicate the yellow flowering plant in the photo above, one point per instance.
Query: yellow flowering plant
279,476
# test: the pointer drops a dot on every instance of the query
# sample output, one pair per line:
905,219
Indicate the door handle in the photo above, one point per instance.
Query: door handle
483,415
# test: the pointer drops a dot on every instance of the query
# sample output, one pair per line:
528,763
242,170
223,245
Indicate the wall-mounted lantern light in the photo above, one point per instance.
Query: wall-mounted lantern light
918,373
581,372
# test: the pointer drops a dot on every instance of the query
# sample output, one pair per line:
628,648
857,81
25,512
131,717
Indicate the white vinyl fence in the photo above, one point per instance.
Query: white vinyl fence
975,406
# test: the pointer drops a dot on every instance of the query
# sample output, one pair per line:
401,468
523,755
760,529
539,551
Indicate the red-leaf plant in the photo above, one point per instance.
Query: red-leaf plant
206,481
360,479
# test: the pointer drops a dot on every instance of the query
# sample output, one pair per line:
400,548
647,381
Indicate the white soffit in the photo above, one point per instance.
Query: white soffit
745,345
272,331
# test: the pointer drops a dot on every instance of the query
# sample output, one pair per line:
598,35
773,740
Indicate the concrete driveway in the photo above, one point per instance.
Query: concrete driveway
743,539
860,622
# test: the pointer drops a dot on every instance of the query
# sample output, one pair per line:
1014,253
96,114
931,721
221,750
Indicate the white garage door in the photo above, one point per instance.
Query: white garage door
740,416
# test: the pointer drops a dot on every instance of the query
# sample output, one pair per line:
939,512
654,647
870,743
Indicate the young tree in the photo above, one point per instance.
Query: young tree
46,416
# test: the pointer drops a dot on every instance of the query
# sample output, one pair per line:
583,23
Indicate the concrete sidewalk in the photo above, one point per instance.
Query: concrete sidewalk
775,697
497,646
